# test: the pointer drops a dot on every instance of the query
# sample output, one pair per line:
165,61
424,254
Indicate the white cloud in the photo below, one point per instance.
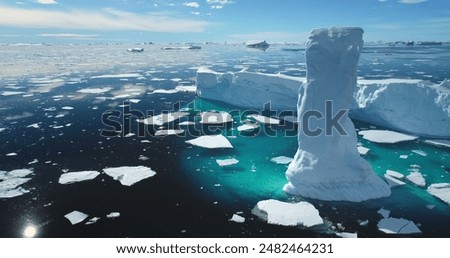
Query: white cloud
192,4
382,0
411,1
218,4
69,35
46,1
106,19
195,13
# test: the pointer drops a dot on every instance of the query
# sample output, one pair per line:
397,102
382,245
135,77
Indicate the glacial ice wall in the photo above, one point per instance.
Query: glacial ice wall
327,166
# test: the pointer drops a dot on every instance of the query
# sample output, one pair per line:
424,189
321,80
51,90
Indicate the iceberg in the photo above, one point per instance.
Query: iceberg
258,44
247,127
416,178
211,142
328,166
385,136
441,191
74,177
398,226
76,217
288,214
129,175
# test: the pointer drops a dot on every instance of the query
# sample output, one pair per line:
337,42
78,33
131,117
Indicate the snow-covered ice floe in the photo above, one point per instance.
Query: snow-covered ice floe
227,162
211,142
74,177
417,179
395,174
288,214
386,136
282,160
441,191
398,226
384,213
129,175
76,217
10,182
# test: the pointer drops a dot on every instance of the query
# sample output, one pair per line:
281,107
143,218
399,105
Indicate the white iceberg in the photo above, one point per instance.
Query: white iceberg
385,136
417,179
163,118
76,217
211,142
441,191
237,218
328,166
74,177
288,214
214,118
227,162
265,119
398,226
168,132
129,175
282,160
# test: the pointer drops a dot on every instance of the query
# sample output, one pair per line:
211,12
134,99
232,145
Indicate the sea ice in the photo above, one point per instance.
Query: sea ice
163,118
328,166
113,215
129,175
67,108
74,177
347,234
76,217
168,132
395,174
392,181
416,178
247,127
116,76
95,90
11,93
214,118
237,218
441,191
92,220
11,181
227,162
11,154
211,142
363,150
440,143
282,160
420,152
398,226
385,136
264,119
384,213
288,214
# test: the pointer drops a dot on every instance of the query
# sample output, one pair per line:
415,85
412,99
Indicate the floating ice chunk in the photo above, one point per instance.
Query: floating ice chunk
392,181
74,177
398,226
347,234
441,191
214,118
227,162
288,214
129,175
247,127
186,123
95,90
76,217
163,118
164,91
168,132
440,143
420,152
211,142
135,101
92,220
116,76
11,154
2,129
363,223
34,161
416,178
11,93
264,119
384,213
395,174
363,150
182,88
282,160
113,215
385,136
430,206
237,218
67,108
35,125
403,156
12,193
20,172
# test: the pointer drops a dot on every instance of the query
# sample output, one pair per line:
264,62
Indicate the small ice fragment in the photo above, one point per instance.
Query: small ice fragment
430,206
395,174
135,101
403,156
67,108
227,162
282,160
420,152
76,217
211,142
384,213
168,132
398,226
439,143
264,119
416,178
247,127
74,177
185,123
363,150
213,118
95,90
238,219
2,129
441,191
129,175
163,118
392,181
363,223
92,221
113,215
143,158
35,125
385,136
11,154
347,234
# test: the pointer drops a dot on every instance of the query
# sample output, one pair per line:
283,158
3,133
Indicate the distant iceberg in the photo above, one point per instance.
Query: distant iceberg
135,50
258,44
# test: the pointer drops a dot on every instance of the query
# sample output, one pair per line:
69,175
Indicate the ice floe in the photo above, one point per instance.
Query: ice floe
441,191
282,160
11,182
74,177
363,150
95,90
92,220
11,154
347,234
420,152
227,162
67,108
113,215
211,142
416,178
168,132
265,119
440,143
128,176
237,218
163,118
392,181
11,93
288,214
398,226
395,174
116,76
385,136
76,217
384,213
247,127
213,118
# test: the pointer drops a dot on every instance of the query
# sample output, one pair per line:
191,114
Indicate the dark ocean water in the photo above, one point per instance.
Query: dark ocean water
190,196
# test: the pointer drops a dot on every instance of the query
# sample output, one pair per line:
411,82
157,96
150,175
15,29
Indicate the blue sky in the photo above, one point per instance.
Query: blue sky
162,21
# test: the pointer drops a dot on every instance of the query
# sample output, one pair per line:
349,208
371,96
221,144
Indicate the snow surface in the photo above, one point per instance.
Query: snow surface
329,167
282,160
385,136
398,226
227,162
211,142
288,214
441,191
74,177
76,217
417,179
129,175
